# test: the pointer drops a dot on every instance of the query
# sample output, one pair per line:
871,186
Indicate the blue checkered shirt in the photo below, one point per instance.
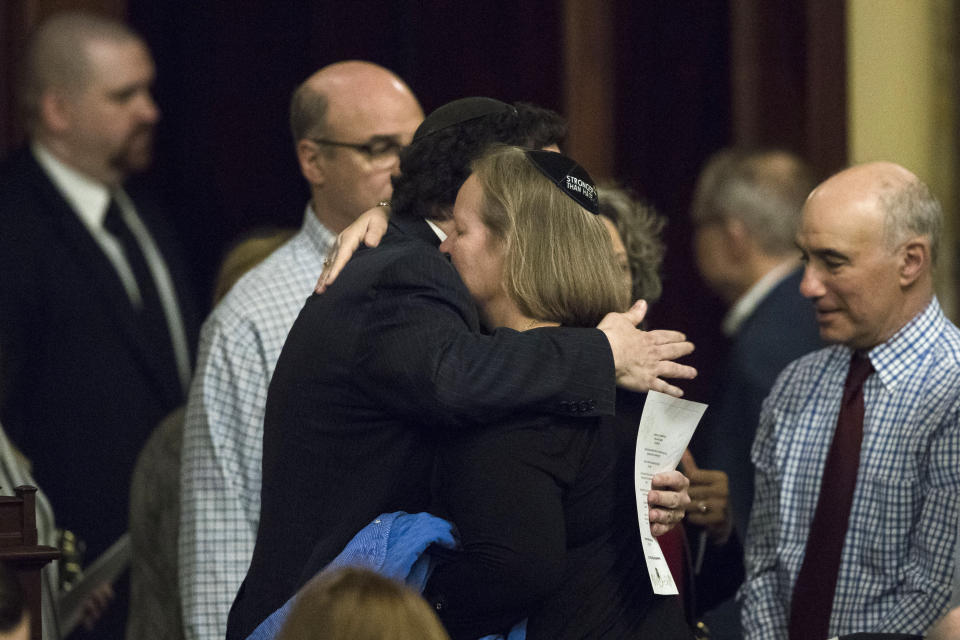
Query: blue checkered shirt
898,555
223,435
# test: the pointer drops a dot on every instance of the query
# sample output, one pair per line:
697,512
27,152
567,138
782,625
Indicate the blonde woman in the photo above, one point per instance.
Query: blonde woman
546,529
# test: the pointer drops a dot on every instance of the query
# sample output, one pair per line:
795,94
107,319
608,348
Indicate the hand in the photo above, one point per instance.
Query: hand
642,358
368,229
709,500
95,604
667,500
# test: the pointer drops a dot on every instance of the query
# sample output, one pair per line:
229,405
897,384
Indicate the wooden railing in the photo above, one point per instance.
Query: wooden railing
19,549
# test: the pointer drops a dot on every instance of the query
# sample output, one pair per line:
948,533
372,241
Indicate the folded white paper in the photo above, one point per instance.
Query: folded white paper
666,426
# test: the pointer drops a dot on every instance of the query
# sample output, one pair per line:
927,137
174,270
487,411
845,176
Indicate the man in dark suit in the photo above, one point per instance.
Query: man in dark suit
379,368
745,211
95,319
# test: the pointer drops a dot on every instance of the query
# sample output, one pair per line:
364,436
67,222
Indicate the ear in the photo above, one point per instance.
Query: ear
55,112
736,236
914,260
312,162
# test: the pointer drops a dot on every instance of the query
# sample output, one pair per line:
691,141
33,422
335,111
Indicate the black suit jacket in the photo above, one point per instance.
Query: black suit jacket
81,387
782,328
373,374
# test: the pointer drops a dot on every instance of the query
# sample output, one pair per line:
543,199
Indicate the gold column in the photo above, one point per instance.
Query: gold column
902,103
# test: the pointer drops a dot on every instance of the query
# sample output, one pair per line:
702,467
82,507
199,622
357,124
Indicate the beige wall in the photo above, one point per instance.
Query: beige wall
902,102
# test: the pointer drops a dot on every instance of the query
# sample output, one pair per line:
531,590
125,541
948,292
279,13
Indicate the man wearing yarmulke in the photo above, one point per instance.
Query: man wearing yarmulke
390,359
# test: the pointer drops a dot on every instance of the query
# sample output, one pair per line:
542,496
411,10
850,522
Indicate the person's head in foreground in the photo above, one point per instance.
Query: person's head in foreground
357,604
530,245
869,237
14,618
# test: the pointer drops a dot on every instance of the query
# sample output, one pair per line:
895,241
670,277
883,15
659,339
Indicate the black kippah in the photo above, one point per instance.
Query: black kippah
458,112
570,177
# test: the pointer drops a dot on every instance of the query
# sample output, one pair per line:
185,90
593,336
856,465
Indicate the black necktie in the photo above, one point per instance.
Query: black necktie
114,223
817,581
150,314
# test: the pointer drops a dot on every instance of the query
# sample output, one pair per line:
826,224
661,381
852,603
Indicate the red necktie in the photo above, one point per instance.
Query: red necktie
817,581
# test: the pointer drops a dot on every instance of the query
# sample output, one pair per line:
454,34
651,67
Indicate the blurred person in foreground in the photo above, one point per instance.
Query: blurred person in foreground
358,604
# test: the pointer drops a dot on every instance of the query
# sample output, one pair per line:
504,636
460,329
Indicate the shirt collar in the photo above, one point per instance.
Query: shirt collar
744,307
87,197
909,345
437,230
320,237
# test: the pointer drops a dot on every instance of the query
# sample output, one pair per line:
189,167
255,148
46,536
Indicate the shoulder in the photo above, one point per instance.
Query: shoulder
19,169
400,261
802,377
272,291
936,377
786,316
774,336
28,240
23,191
923,357
947,350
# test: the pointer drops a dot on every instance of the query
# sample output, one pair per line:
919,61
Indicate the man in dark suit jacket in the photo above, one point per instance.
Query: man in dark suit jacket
745,210
378,369
95,318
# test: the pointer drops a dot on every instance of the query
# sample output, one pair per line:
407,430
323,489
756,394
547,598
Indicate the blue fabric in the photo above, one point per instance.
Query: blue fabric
394,546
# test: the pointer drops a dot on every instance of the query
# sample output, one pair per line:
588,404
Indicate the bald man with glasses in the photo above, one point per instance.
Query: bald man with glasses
349,121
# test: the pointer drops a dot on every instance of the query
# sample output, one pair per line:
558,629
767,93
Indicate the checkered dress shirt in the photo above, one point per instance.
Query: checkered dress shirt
898,555
223,435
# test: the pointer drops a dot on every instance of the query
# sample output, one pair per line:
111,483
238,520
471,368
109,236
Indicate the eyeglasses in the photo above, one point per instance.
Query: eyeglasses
379,151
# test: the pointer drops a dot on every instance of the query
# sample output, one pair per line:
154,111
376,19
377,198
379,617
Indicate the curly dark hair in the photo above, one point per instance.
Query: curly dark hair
540,127
434,168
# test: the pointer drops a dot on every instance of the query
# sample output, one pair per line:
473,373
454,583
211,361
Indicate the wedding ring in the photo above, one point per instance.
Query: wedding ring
704,507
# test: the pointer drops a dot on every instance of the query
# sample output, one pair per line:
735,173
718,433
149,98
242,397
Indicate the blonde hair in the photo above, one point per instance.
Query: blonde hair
358,604
558,261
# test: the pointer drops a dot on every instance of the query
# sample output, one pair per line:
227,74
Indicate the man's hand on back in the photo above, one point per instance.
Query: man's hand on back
643,358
